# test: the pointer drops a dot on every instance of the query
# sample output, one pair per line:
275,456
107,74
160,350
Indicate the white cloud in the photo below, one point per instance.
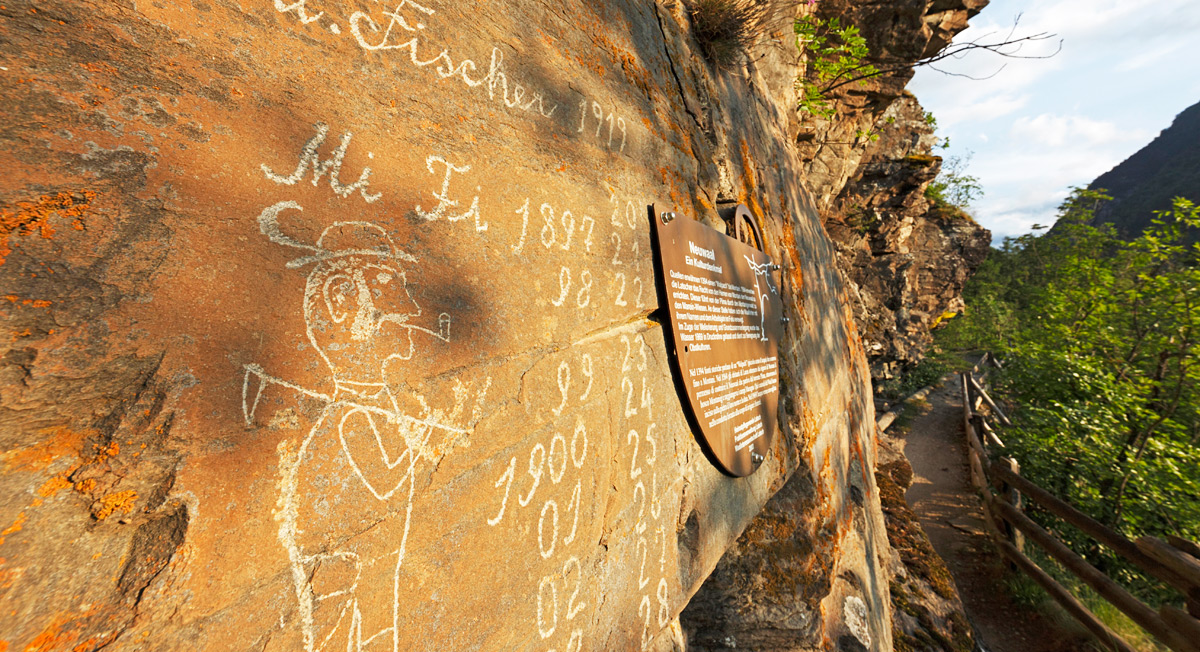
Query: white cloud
988,107
1008,224
1148,58
1080,132
1010,219
1028,173
1084,24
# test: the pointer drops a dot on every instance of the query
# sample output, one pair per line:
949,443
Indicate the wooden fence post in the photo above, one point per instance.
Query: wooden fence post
1175,561
1012,496
1093,528
971,396
1107,637
989,435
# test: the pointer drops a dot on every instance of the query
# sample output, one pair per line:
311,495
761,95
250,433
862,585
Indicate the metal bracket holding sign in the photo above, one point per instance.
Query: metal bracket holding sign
722,297
741,224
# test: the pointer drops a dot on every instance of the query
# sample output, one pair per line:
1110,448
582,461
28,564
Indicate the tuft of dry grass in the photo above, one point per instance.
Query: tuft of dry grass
726,28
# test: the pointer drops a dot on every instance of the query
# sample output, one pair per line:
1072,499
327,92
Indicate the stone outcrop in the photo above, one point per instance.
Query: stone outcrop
771,591
907,264
772,588
913,268
899,34
907,258
334,326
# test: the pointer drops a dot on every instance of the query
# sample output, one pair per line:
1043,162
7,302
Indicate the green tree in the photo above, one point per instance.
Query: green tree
1102,338
838,55
953,185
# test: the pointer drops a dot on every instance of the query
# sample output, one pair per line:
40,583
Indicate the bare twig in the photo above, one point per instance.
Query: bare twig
1008,47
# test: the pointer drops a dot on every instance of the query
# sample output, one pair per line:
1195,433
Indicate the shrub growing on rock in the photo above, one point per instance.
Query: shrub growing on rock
725,28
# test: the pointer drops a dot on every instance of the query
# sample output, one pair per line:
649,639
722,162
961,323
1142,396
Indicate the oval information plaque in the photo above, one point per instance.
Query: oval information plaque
725,314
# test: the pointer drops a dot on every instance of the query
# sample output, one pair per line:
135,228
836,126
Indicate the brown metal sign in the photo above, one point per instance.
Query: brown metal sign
725,312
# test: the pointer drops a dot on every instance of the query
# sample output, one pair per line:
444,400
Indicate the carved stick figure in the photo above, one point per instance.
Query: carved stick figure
763,270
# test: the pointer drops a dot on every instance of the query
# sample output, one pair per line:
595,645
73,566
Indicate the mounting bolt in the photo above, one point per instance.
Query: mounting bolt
774,266
755,457
667,218
784,320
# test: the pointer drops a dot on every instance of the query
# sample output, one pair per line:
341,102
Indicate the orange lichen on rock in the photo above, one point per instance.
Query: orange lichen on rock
628,61
62,441
113,449
683,137
749,195
671,179
748,168
795,270
857,453
121,501
65,442
8,577
53,486
65,630
35,303
53,637
100,67
34,217
591,65
14,528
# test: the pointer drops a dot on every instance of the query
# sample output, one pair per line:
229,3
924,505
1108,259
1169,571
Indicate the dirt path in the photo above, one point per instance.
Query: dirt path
950,513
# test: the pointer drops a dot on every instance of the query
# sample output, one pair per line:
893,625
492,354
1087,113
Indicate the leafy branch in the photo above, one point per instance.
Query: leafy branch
836,50
840,56
1103,342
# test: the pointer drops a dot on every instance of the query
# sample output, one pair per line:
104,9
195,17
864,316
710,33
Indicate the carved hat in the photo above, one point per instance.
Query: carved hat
337,240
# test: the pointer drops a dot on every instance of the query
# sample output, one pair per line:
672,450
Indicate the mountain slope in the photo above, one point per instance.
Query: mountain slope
1147,181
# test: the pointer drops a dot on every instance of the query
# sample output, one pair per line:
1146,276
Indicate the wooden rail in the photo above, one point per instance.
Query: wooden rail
1069,602
1176,562
1100,583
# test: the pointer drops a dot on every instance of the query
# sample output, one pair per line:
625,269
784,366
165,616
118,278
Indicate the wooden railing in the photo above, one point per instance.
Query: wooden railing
1176,562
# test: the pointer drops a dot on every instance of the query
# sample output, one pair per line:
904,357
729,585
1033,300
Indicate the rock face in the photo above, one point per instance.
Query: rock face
788,574
907,264
907,259
333,326
777,586
899,34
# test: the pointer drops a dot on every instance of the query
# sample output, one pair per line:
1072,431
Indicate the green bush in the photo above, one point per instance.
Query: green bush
953,185
925,373
837,54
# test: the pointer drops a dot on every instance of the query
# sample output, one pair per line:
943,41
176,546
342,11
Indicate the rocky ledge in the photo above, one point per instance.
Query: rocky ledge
906,258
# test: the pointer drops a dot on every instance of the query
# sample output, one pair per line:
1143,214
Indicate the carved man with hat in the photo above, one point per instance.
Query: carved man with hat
346,491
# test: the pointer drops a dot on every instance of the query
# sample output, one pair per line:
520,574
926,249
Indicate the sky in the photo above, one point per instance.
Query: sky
1039,126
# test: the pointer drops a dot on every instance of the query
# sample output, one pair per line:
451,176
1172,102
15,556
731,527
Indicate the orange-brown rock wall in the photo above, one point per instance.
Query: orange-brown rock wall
330,325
